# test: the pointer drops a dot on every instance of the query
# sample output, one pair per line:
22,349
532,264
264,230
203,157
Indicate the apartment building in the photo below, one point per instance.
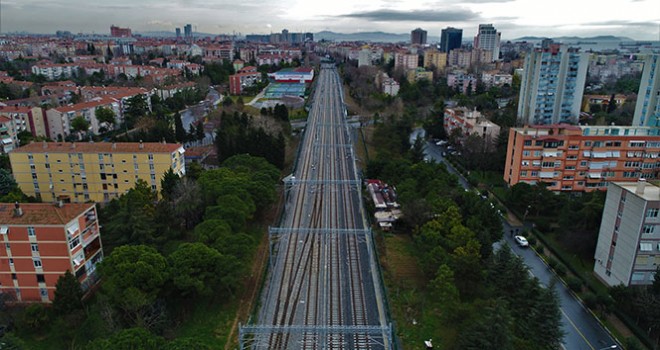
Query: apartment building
99,172
17,119
647,109
462,82
41,242
54,71
418,36
59,119
406,60
552,85
239,81
488,38
628,248
434,59
470,122
581,158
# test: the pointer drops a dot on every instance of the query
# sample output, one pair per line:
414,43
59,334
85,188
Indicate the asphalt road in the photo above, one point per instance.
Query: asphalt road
582,330
195,113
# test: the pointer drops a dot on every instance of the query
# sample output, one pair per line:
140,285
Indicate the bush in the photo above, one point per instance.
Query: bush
560,269
632,343
590,300
552,262
531,239
574,283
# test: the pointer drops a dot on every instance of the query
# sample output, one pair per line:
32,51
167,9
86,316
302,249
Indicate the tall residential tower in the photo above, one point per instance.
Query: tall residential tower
552,85
450,38
418,36
647,109
488,38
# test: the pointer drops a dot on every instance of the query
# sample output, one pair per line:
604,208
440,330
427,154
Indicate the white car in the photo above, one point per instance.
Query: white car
521,241
441,143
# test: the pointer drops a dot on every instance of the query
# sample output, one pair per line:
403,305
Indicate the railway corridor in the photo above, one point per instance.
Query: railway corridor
323,289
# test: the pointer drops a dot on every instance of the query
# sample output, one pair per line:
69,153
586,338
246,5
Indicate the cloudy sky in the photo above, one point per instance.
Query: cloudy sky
638,19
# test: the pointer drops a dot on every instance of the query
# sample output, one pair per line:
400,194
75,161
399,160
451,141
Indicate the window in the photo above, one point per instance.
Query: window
74,242
523,173
587,143
37,263
35,247
526,153
40,278
525,163
646,246
652,213
528,142
13,276
583,163
44,292
637,276
11,262
648,229
7,245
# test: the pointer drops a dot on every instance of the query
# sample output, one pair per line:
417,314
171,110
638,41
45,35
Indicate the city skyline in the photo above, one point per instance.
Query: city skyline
637,19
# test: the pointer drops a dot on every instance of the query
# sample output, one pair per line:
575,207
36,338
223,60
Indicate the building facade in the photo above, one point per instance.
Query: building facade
41,242
434,59
118,32
470,122
488,38
406,60
99,172
552,85
647,109
450,38
418,37
59,120
581,158
628,248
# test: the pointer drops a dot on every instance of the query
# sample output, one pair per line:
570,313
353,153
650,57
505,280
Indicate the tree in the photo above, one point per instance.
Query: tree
196,269
611,106
199,132
186,344
179,130
7,182
136,107
417,150
187,201
133,279
79,124
490,330
105,115
68,294
168,183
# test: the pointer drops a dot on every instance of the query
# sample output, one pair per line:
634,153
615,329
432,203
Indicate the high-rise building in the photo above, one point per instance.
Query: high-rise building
450,38
364,57
118,32
85,171
178,32
41,242
488,38
418,37
628,248
581,158
187,32
647,109
552,85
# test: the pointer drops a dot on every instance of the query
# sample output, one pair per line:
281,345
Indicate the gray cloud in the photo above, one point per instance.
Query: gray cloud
619,23
456,15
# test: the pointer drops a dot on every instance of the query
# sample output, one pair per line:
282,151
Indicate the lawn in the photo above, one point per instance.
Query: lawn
210,322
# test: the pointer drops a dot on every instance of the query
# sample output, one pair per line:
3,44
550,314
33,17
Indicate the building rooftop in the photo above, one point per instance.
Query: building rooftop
98,147
41,213
651,192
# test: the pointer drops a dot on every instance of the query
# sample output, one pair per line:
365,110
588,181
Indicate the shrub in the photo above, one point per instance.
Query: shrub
590,300
552,262
574,283
560,269
531,239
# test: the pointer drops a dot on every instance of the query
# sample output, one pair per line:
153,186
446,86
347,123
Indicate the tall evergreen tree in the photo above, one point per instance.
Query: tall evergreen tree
68,294
179,130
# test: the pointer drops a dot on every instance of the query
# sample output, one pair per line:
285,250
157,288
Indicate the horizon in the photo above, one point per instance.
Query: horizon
637,19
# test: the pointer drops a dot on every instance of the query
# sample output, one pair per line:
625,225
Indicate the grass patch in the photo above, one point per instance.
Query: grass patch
415,318
210,322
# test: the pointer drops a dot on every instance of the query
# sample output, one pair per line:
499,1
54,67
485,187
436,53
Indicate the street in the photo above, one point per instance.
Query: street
582,330
197,112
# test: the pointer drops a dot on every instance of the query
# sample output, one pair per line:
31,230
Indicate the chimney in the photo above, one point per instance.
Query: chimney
641,185
141,145
18,212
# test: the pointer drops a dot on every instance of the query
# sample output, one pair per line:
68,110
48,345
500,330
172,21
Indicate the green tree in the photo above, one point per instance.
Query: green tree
136,107
80,124
11,342
129,218
68,294
168,183
417,150
490,330
133,278
179,130
105,115
187,201
187,343
199,132
7,182
196,269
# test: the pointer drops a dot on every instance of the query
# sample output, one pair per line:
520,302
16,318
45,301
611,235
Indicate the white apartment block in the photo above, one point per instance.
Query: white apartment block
628,249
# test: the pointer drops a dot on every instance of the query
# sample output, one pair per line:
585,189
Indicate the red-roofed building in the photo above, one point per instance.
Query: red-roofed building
239,81
32,119
59,118
41,242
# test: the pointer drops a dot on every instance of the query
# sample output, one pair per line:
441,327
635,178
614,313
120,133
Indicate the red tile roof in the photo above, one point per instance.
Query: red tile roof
97,147
41,213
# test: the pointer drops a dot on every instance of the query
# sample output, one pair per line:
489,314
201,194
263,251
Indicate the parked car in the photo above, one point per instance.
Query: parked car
441,143
521,241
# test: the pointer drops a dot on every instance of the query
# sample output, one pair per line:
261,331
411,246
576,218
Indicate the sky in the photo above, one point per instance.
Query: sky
637,19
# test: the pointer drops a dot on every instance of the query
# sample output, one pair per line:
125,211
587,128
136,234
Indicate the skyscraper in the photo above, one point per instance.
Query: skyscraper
418,37
450,38
552,85
187,32
647,109
178,32
488,38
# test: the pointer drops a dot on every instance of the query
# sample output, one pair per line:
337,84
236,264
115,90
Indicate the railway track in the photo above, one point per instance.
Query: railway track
323,291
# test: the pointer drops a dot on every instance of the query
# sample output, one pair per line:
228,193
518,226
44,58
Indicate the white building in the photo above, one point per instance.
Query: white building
488,38
364,58
390,87
647,109
628,249
55,71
